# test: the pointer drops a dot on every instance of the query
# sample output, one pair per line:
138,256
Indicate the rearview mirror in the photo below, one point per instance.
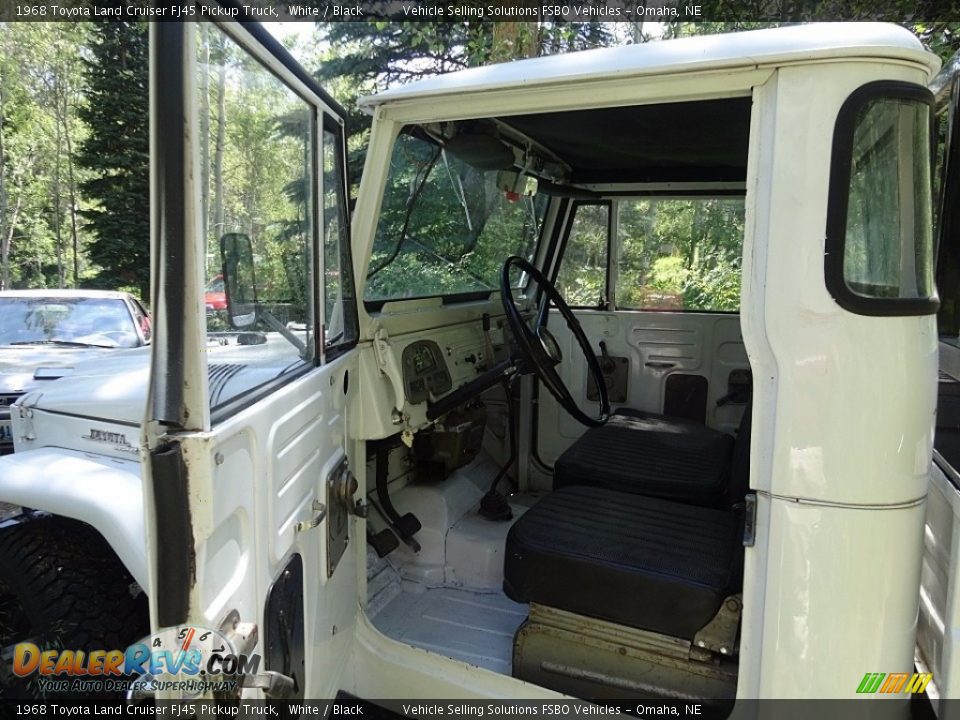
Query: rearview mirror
239,280
484,152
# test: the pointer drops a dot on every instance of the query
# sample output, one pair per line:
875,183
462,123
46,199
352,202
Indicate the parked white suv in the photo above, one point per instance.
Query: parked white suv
44,333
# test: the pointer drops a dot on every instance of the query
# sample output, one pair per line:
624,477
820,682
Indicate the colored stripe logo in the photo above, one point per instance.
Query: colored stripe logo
894,683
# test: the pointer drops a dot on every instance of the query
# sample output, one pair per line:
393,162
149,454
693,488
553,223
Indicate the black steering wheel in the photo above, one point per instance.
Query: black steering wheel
541,351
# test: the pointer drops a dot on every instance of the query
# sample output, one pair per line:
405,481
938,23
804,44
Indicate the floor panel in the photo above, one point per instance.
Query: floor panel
474,627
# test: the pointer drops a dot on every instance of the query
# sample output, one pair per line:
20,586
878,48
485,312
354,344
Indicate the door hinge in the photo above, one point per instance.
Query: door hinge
274,685
243,637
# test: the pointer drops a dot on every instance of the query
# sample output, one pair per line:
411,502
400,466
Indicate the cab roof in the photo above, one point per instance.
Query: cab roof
797,43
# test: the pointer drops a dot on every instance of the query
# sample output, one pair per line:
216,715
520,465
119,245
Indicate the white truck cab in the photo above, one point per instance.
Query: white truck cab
705,480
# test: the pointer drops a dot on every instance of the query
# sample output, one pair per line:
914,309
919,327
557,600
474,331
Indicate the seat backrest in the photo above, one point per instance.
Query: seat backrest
740,464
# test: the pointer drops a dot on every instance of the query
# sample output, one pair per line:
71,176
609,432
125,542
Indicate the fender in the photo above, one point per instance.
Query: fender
103,492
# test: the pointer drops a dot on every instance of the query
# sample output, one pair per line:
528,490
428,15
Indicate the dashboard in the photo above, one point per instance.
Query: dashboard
425,372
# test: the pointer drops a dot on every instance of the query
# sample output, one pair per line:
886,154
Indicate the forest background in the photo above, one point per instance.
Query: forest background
74,146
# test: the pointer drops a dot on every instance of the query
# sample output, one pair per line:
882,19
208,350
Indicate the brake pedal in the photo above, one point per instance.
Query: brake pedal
383,542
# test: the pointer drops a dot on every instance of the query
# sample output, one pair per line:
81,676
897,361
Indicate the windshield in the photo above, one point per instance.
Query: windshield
101,322
446,227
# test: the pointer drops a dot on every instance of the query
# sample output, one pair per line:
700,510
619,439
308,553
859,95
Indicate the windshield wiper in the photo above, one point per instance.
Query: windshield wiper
61,343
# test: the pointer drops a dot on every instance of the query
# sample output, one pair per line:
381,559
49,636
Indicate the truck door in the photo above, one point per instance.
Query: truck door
248,487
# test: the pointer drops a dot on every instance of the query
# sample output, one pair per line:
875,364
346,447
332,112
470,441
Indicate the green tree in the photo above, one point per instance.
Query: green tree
367,57
117,153
940,37
40,82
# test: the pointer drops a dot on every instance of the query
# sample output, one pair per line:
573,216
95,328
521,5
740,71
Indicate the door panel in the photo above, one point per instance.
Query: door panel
259,474
254,450
301,455
658,345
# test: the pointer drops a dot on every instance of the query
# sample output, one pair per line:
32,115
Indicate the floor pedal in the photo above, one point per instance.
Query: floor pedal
409,525
383,542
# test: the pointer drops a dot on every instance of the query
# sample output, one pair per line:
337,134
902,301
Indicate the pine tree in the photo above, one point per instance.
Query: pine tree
370,56
117,152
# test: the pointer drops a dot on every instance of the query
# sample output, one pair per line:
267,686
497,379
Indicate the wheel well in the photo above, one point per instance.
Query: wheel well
68,586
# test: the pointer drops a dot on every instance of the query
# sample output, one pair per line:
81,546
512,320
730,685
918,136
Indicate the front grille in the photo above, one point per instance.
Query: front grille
8,400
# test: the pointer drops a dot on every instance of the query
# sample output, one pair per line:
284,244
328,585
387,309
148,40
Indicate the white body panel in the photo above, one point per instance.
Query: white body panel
938,631
842,421
687,55
101,491
834,390
839,598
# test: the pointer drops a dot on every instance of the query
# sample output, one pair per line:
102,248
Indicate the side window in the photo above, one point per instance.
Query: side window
257,167
679,254
340,309
879,251
582,280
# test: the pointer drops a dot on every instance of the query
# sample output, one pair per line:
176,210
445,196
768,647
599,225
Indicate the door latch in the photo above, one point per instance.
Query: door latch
321,512
341,487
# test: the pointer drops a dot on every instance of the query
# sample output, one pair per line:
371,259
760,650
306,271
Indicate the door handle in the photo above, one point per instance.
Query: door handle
321,510
660,365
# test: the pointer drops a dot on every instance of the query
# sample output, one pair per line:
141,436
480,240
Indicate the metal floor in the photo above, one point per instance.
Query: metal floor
474,627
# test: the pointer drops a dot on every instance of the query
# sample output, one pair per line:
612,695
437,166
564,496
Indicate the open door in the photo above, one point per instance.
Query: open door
939,619
249,493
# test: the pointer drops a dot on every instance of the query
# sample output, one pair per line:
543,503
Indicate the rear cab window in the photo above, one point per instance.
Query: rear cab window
879,246
655,253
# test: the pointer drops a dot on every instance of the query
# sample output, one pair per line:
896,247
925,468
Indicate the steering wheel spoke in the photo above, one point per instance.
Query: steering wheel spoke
540,350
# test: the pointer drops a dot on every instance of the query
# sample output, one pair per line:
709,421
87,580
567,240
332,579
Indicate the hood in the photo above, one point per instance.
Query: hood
23,366
112,388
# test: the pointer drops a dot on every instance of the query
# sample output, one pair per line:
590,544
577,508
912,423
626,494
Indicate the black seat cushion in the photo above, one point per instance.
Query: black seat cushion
637,561
647,454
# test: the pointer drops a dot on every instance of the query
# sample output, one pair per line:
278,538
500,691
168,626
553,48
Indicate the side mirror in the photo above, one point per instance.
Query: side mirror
239,280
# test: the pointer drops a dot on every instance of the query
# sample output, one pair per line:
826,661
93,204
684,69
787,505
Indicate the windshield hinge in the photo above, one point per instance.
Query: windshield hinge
388,366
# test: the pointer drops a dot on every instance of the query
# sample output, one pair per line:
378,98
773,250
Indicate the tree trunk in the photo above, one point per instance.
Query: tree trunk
57,204
6,242
513,40
73,198
5,238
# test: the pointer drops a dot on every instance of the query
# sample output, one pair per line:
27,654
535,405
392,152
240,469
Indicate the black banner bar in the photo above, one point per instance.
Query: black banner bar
483,10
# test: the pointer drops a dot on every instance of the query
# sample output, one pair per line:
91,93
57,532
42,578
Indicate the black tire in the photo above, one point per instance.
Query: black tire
62,587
